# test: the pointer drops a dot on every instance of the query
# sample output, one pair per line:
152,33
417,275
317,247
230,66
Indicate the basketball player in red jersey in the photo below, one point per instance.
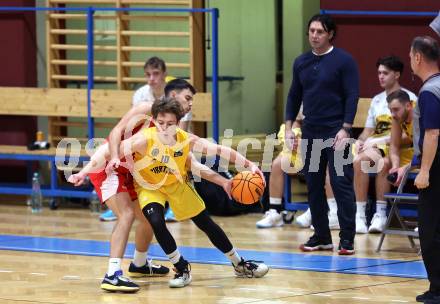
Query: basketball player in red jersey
115,189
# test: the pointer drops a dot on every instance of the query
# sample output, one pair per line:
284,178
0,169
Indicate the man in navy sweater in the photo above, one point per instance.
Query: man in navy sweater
326,81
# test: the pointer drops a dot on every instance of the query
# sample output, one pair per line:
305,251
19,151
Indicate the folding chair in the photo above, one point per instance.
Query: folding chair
395,199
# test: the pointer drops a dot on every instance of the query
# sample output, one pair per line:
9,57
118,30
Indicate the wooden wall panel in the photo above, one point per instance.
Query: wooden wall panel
369,37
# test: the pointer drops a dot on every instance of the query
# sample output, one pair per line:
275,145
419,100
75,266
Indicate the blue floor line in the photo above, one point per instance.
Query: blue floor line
415,270
281,260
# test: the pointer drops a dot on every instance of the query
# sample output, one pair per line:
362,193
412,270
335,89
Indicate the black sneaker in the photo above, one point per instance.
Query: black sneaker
288,216
345,247
117,282
434,300
316,243
250,269
427,295
148,270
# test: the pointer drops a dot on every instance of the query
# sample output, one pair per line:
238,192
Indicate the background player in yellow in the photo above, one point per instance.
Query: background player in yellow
401,147
372,146
162,159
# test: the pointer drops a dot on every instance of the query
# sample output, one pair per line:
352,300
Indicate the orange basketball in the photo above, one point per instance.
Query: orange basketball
247,187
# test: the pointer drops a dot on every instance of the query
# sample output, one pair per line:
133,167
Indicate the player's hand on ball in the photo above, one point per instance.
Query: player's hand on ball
254,169
247,187
227,186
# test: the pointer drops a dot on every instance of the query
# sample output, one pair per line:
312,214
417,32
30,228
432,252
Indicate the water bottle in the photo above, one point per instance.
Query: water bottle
36,197
95,204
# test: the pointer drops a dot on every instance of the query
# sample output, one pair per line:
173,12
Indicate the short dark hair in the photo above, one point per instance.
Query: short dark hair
155,63
427,46
400,95
178,85
391,62
167,105
327,23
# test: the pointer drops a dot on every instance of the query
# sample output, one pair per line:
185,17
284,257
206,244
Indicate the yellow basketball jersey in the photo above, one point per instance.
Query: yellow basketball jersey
383,125
407,128
162,165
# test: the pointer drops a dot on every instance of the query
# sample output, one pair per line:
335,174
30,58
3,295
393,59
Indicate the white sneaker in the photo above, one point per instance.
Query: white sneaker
181,279
333,221
250,269
377,223
270,219
361,224
304,220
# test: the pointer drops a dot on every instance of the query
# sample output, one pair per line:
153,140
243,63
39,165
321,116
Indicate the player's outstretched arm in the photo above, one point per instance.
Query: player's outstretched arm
98,160
204,172
97,163
204,146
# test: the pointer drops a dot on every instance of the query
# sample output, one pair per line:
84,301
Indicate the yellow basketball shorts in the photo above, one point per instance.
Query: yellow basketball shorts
182,197
295,158
383,149
406,154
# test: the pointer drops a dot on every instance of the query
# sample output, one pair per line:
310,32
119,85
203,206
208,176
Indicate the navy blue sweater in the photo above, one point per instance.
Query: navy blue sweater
328,87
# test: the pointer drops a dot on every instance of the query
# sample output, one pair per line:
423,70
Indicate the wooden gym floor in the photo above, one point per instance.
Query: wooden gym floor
30,271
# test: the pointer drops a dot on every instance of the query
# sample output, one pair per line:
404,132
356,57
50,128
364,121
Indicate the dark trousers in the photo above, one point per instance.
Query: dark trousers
342,184
429,225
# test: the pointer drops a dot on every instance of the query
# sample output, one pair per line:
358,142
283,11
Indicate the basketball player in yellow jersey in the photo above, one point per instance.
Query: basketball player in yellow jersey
401,147
372,147
163,155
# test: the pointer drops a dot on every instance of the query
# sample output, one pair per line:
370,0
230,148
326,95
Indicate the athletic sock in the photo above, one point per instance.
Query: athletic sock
174,256
360,208
332,206
114,264
140,258
275,203
381,208
233,256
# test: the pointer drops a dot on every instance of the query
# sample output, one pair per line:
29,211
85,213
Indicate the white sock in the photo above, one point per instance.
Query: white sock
381,208
275,201
332,205
174,256
114,264
360,208
275,204
233,256
140,258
